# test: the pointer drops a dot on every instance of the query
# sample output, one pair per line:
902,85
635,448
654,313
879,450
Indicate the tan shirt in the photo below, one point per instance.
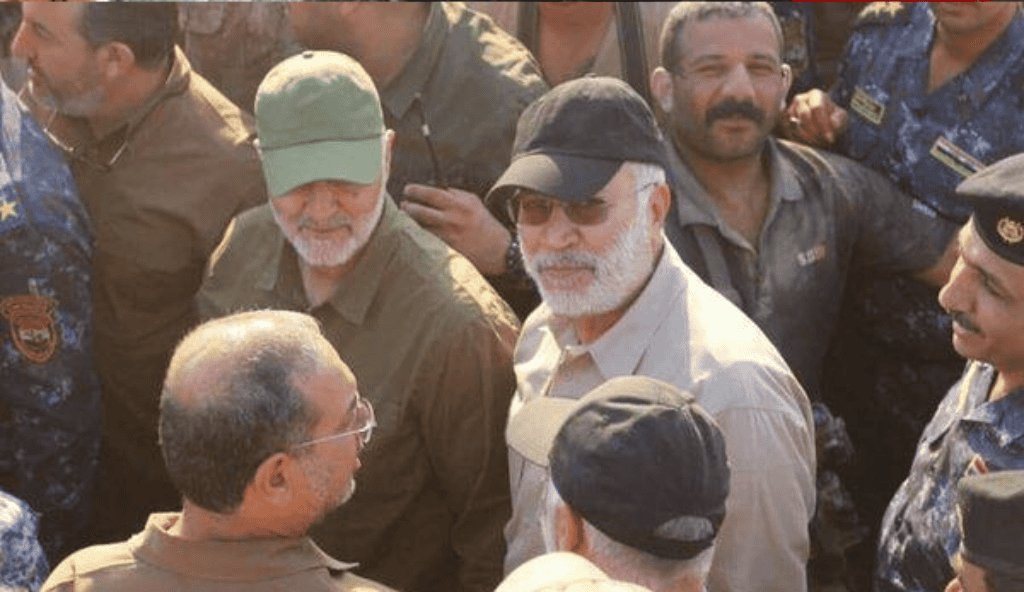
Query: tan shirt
681,331
156,560
160,190
431,346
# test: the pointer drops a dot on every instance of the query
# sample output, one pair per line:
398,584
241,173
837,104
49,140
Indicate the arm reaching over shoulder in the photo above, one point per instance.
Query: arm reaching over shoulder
462,221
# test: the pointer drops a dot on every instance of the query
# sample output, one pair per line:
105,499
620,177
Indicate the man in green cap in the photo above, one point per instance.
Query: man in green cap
429,340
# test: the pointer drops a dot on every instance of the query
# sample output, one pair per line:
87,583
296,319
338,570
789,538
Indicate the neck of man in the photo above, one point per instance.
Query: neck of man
570,36
739,188
198,524
1005,383
958,50
127,95
591,327
384,48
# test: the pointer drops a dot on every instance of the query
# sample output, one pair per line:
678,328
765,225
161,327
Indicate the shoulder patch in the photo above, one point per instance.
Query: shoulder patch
32,325
882,13
10,213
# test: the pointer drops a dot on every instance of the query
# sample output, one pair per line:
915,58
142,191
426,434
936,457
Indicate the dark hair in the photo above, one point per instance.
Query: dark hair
249,410
150,29
685,12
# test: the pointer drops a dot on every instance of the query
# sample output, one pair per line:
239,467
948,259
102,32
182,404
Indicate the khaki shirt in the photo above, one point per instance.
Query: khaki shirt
154,559
681,331
160,190
430,344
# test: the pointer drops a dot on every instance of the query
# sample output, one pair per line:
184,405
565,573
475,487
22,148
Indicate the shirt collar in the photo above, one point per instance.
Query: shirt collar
993,66
695,206
618,352
357,290
916,40
238,561
413,76
1004,414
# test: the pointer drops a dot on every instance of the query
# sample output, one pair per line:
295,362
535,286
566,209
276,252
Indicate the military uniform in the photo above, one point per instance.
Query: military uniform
22,562
49,393
919,531
894,357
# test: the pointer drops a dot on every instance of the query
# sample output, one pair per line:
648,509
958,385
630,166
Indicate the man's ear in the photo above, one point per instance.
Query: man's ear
662,88
274,480
569,535
116,60
787,81
661,200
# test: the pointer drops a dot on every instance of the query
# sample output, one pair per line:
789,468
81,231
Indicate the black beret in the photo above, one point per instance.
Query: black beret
996,194
992,521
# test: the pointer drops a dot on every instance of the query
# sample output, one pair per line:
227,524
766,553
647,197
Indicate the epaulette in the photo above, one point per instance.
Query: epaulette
883,13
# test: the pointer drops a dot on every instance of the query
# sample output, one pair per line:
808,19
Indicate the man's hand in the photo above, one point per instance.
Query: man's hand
460,219
813,119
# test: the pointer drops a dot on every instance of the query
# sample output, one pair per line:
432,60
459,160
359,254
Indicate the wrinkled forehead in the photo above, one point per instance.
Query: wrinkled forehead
739,42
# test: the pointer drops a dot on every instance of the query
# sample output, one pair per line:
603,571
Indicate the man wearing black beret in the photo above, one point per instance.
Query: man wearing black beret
991,514
980,423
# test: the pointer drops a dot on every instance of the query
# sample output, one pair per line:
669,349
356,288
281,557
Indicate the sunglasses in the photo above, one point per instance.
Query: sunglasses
534,210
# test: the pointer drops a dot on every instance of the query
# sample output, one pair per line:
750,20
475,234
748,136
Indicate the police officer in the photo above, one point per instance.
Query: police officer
927,95
49,393
980,423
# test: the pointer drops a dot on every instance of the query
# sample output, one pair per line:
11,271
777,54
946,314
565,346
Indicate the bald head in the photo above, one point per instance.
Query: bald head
231,399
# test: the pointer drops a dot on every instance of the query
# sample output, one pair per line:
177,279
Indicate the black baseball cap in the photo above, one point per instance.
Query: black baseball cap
636,458
991,510
573,139
996,194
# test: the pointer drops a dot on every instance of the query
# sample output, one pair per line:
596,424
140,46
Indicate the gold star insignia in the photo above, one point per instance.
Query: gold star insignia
7,210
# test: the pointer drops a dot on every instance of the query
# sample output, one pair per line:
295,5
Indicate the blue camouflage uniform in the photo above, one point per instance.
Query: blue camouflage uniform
49,393
895,357
919,531
22,562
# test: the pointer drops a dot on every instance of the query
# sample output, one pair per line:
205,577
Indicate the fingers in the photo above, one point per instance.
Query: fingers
426,216
814,119
429,196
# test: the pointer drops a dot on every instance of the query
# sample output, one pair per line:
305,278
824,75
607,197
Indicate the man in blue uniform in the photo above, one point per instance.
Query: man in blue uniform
927,95
49,394
22,562
980,423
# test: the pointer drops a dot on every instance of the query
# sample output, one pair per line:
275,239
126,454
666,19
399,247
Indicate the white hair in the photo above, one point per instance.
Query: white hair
623,562
644,175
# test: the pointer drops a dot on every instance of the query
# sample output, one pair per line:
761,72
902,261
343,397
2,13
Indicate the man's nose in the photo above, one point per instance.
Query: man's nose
738,83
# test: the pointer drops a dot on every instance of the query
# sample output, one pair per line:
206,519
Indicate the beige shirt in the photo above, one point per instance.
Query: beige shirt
681,331
156,560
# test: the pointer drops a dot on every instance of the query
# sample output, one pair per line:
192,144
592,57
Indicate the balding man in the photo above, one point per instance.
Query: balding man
261,425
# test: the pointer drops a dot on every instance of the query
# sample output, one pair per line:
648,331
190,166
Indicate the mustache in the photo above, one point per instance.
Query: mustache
731,107
962,319
585,260
333,223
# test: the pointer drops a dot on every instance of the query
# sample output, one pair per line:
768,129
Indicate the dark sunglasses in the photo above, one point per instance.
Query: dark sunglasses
534,210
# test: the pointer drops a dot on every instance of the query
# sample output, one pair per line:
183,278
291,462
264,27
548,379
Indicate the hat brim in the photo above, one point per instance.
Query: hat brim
568,178
353,161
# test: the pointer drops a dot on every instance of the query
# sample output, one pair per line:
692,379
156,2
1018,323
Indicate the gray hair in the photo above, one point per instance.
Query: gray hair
623,562
231,400
686,12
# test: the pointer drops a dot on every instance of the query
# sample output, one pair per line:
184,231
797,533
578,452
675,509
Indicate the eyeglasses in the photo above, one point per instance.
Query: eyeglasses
364,419
534,210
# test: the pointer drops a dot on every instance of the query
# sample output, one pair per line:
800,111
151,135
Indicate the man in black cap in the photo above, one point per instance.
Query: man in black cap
638,483
587,190
980,423
991,555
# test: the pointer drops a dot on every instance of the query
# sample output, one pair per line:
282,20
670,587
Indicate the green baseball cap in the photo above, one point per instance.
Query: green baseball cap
318,117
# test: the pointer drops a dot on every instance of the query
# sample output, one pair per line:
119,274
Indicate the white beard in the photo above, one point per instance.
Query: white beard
618,274
333,253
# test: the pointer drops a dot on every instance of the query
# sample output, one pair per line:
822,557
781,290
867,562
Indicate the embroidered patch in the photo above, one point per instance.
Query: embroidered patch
32,325
867,106
1010,230
812,255
955,157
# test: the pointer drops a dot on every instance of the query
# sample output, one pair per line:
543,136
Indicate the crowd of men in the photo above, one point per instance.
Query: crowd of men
594,301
